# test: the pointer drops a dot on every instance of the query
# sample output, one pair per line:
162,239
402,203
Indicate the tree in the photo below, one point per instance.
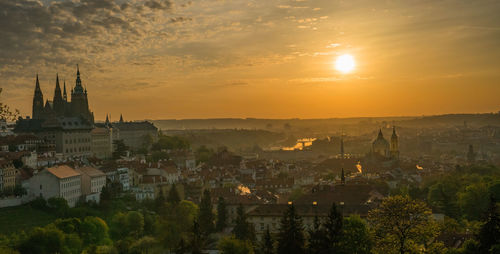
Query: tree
402,225
94,231
181,247
489,234
173,195
120,149
291,236
58,205
355,236
43,240
243,230
6,113
176,223
333,228
443,196
197,239
267,245
474,201
203,154
221,215
159,202
317,238
235,246
206,216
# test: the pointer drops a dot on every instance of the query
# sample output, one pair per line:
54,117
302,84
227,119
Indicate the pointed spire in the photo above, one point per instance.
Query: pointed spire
78,86
65,94
380,135
37,82
342,177
37,86
107,119
342,146
121,118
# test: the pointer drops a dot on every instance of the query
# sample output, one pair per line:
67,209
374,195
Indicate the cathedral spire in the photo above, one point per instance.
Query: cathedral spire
37,85
78,85
58,103
107,119
121,118
37,108
65,94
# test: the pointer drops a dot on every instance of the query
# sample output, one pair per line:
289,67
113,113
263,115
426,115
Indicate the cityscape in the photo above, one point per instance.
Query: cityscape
135,131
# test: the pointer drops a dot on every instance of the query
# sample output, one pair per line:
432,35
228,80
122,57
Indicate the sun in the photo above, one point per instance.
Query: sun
345,63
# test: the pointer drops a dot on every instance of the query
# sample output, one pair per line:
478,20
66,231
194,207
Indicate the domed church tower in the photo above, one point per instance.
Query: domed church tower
380,146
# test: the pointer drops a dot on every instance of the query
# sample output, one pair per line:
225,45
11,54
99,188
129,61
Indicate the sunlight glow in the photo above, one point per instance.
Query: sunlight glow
345,63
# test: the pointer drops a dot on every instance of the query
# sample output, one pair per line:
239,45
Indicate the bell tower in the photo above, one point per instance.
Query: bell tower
394,144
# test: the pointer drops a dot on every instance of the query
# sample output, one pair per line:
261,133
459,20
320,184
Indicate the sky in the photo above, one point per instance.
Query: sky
165,59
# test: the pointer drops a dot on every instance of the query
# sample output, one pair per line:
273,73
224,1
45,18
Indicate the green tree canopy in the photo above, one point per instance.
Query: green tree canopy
402,225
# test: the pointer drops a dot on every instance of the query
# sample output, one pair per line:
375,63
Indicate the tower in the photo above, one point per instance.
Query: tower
79,101
65,94
342,147
121,118
58,102
37,109
394,144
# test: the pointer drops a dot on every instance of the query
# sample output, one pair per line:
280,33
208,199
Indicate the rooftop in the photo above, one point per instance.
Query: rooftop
63,171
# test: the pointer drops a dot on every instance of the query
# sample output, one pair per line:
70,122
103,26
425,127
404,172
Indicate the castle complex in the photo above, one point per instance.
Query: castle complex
60,106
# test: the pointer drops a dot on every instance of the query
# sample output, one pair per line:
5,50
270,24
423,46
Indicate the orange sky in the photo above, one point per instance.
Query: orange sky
266,59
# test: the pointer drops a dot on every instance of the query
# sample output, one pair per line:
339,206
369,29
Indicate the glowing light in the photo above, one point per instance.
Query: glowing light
243,190
359,167
419,167
345,63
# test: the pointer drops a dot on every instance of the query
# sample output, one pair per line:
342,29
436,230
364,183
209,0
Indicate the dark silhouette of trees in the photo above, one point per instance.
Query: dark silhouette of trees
489,234
291,236
221,215
120,149
173,195
206,216
318,242
243,230
267,245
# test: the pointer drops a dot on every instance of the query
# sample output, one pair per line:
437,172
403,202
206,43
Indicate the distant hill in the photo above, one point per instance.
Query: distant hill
295,124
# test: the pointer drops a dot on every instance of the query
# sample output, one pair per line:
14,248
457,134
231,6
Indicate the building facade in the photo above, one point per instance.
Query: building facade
93,180
102,142
60,181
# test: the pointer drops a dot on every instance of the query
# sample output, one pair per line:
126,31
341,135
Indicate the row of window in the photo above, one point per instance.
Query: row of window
70,184
80,149
77,140
70,193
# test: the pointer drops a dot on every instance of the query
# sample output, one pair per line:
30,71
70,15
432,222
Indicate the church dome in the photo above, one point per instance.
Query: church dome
380,145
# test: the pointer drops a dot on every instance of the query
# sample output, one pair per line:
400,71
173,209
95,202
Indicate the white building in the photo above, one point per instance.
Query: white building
93,180
60,181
